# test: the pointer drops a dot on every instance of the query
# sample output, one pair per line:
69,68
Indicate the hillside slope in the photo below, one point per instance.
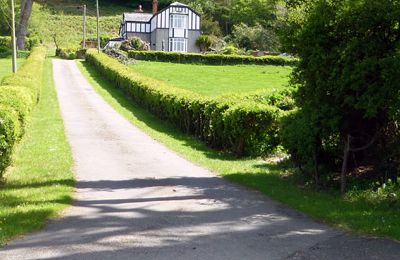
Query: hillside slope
60,22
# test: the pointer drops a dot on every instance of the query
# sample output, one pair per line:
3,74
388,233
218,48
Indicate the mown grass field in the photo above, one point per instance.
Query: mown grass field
6,66
217,80
276,180
40,182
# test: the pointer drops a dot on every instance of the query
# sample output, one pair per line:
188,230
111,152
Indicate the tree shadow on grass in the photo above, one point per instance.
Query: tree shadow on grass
205,215
38,184
262,176
196,218
20,214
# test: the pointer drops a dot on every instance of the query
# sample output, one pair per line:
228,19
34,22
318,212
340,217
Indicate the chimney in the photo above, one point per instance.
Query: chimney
155,6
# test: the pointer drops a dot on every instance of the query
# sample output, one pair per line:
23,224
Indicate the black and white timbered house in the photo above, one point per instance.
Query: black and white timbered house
174,28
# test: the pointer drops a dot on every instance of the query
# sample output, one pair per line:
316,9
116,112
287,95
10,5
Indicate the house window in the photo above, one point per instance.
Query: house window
178,21
178,44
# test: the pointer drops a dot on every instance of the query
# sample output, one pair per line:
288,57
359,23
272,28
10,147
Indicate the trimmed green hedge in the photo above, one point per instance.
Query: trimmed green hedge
18,95
211,59
233,123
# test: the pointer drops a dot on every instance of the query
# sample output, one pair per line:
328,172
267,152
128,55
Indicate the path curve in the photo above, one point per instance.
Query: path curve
136,199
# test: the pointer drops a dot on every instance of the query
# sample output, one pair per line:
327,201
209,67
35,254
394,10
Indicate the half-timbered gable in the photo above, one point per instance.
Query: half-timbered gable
174,28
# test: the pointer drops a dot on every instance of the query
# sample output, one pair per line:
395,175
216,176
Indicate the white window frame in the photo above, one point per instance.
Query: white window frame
178,21
178,44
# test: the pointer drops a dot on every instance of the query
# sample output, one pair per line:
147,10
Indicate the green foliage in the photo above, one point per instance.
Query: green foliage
348,76
5,43
209,26
300,140
10,132
231,49
255,37
19,99
103,40
6,46
56,22
5,17
232,123
70,54
32,41
134,43
252,127
204,42
230,13
379,195
212,59
18,94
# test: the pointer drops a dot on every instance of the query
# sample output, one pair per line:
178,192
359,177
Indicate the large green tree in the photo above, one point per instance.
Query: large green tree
23,12
5,18
22,31
232,12
348,85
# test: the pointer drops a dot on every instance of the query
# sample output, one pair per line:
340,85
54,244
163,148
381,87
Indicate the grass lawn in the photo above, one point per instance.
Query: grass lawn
6,66
217,80
272,179
40,182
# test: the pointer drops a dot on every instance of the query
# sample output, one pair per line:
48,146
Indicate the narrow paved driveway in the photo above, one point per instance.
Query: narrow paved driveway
137,200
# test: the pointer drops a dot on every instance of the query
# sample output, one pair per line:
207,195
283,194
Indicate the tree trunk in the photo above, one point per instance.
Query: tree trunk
316,172
26,10
346,151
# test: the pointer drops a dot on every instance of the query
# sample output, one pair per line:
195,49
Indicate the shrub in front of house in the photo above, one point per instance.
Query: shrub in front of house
18,95
135,43
211,59
204,42
243,125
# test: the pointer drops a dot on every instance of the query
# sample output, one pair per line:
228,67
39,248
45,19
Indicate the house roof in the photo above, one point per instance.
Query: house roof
137,17
146,17
178,4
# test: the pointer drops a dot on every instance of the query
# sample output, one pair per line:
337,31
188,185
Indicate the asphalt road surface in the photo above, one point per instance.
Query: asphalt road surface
135,199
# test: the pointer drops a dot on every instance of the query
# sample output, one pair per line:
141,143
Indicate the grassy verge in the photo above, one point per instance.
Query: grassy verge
40,182
5,66
272,179
217,80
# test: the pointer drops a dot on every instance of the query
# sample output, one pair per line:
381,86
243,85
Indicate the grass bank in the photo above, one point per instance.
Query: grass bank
40,182
6,65
217,80
62,20
273,179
